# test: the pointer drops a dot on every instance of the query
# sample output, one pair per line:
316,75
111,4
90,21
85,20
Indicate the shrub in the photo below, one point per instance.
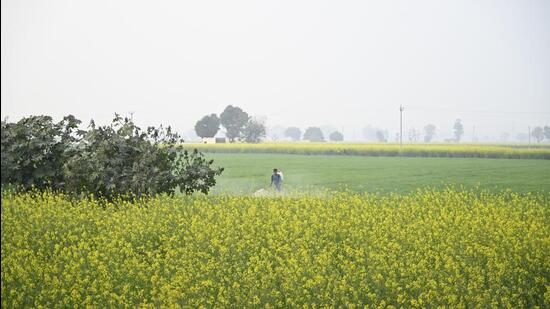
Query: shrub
34,150
107,161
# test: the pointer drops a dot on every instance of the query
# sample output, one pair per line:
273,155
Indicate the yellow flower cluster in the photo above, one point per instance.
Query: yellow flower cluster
409,150
447,248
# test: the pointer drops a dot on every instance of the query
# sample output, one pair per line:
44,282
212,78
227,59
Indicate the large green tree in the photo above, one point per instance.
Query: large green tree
381,136
314,134
458,130
429,133
538,134
294,133
234,120
547,132
208,126
253,131
336,136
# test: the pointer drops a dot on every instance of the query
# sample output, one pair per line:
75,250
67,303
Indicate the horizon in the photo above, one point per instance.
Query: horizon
301,64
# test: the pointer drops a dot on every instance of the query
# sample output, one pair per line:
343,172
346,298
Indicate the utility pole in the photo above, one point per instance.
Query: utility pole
401,109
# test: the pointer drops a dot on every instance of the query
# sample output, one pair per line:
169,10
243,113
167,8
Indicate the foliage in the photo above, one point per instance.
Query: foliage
371,134
381,137
314,134
194,172
34,150
414,135
428,249
547,132
208,126
234,120
121,158
429,133
294,133
458,130
388,150
336,136
538,134
106,161
253,131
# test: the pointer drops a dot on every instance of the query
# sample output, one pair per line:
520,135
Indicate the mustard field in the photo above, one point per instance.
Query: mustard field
447,248
541,151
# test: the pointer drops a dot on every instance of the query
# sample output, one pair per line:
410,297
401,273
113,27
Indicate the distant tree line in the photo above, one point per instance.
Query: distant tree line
312,134
106,161
239,126
540,133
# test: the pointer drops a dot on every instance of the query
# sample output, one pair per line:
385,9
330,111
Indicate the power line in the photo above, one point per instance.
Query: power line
478,111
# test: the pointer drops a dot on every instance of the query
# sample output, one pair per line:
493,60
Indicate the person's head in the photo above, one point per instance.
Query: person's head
275,171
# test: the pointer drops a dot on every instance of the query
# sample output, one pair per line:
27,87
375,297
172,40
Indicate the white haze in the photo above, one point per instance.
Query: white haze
336,64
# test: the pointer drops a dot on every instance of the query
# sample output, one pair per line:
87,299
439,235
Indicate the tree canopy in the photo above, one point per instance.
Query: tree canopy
458,130
253,131
380,136
208,126
314,134
106,161
547,132
234,120
538,134
35,148
429,133
336,136
294,133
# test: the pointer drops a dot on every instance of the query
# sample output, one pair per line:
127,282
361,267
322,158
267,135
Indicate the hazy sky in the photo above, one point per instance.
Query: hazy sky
304,63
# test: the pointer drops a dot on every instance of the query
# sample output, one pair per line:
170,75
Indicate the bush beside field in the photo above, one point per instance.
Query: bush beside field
449,248
387,150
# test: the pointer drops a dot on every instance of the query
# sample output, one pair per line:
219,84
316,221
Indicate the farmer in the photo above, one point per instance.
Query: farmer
276,179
